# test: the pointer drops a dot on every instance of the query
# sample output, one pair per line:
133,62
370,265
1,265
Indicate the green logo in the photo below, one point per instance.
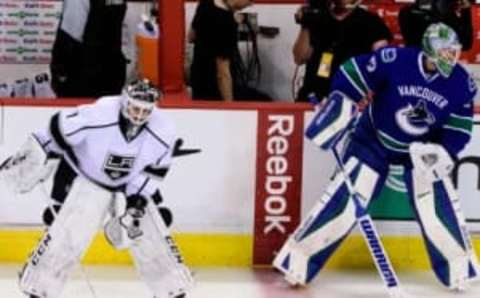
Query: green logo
55,15
21,50
22,32
23,14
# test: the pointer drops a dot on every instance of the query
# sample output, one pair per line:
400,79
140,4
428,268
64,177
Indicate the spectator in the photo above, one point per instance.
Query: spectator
87,58
214,32
415,18
332,32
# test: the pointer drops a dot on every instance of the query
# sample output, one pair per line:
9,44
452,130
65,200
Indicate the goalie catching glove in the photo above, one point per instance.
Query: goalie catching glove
122,231
332,120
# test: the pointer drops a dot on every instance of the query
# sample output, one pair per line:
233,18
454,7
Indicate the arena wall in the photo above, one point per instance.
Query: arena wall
240,186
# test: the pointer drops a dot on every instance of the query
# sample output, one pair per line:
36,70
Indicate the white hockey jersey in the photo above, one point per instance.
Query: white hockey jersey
91,140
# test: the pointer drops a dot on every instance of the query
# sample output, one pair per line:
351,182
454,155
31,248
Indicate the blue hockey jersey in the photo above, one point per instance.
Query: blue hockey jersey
408,103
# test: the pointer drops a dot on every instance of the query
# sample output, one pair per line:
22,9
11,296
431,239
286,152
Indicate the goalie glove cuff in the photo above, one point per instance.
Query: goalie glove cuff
332,120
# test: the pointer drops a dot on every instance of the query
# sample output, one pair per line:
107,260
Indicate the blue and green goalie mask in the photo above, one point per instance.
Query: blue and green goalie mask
440,43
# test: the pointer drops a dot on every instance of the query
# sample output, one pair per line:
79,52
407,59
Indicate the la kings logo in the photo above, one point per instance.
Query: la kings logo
117,166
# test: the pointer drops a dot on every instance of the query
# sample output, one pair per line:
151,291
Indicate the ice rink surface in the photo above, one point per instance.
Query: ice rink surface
121,282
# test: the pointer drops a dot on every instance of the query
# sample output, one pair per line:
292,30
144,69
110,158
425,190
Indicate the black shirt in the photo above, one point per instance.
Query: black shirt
87,58
414,20
215,36
350,37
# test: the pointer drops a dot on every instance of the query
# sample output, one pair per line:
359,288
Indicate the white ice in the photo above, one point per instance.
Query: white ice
122,282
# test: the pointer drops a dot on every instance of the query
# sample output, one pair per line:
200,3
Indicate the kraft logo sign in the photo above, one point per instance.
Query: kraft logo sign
49,33
21,50
45,41
278,181
53,15
6,40
9,5
30,40
9,23
30,23
32,5
22,32
23,14
379,254
8,59
41,24
42,5
36,59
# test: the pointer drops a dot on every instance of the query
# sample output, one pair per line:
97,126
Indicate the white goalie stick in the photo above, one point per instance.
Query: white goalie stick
370,234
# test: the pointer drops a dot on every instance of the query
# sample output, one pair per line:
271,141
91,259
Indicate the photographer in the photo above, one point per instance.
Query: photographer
415,18
331,32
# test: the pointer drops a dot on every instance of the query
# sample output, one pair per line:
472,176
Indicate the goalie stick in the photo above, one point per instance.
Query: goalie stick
370,234
367,227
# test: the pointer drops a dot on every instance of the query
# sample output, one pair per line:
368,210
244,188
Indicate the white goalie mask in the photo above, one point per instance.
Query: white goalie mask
138,101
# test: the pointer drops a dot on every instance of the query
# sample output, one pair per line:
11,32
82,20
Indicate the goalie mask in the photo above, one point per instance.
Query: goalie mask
138,101
440,44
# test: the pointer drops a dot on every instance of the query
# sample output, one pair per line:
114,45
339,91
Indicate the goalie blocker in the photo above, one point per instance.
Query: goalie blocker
26,168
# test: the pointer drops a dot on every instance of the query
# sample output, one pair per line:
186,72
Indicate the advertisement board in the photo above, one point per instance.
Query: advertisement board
245,172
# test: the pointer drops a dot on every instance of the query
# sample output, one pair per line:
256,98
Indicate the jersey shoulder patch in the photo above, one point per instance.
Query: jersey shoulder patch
388,54
472,85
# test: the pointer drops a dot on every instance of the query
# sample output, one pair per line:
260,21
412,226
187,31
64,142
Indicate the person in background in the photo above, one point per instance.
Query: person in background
415,18
333,31
87,58
214,31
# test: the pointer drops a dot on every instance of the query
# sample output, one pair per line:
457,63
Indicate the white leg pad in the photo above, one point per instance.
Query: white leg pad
64,243
300,248
447,182
437,233
158,259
